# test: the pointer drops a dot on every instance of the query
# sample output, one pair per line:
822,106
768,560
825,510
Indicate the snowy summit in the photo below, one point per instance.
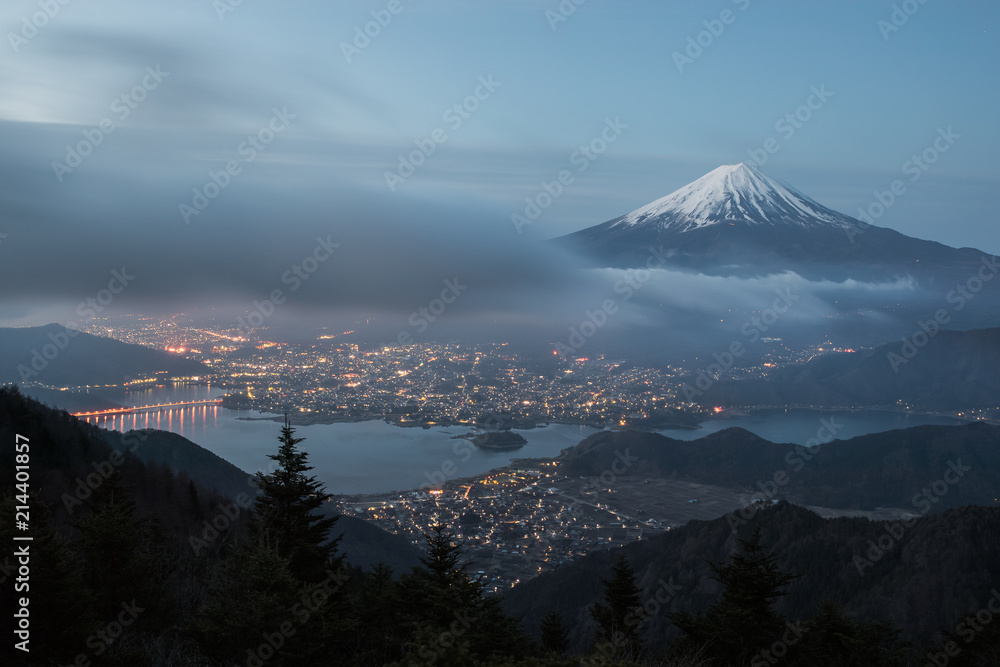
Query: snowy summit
737,194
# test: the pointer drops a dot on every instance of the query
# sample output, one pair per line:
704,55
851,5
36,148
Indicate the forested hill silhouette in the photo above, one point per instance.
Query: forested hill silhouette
889,469
922,577
188,579
937,371
55,355
176,481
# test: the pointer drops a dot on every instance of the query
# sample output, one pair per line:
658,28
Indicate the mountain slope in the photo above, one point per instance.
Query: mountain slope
70,401
174,479
891,469
939,568
736,220
739,194
952,370
363,544
70,459
58,356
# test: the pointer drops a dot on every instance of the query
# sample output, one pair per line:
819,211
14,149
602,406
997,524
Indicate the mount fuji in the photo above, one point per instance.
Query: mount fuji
736,220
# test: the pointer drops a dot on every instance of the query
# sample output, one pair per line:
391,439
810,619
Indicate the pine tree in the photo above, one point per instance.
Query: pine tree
555,637
621,614
441,587
252,595
290,525
978,642
444,606
124,558
834,638
287,512
743,621
380,634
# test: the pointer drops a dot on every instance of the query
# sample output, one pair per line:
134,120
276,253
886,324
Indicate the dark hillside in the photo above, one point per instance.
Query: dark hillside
890,469
941,567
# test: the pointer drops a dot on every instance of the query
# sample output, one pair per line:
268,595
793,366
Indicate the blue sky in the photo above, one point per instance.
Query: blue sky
556,84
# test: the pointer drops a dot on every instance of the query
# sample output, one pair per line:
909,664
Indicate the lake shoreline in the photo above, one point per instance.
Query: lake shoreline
352,456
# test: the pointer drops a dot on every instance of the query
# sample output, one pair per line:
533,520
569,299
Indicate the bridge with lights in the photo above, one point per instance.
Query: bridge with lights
147,408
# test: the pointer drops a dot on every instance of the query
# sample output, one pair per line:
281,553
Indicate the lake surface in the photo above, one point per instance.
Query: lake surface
798,426
373,456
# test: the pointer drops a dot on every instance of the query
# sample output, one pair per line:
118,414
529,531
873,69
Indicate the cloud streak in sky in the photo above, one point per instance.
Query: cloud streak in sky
323,175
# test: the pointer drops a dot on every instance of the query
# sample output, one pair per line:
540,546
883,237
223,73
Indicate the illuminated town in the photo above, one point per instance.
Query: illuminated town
514,522
440,384
517,522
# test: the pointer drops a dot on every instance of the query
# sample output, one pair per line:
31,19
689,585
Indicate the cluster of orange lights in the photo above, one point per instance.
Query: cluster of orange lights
177,350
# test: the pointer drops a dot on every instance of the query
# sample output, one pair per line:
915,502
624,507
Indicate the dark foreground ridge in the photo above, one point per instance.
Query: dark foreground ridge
134,561
921,575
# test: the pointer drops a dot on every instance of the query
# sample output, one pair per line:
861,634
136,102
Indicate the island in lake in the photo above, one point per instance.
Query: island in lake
499,440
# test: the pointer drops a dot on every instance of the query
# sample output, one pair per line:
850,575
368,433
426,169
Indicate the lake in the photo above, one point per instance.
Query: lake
374,457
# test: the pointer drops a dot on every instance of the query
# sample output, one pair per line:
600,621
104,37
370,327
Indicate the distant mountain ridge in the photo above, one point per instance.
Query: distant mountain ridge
944,371
70,401
736,220
54,355
890,469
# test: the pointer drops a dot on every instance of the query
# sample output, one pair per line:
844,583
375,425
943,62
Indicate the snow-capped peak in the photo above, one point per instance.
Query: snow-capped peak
734,193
